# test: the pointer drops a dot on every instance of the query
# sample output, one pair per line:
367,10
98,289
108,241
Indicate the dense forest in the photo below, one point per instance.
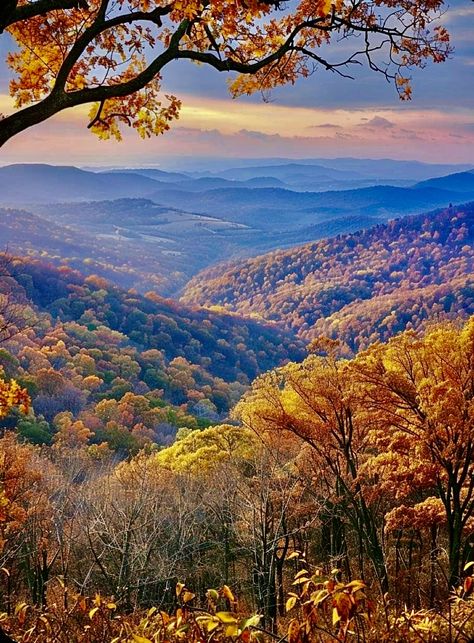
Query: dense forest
276,449
176,473
359,287
132,369
337,506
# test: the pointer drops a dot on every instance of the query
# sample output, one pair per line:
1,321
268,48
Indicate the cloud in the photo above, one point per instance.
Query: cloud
209,128
324,126
377,122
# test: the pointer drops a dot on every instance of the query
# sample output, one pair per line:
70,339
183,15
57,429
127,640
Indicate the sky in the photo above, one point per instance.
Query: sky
322,116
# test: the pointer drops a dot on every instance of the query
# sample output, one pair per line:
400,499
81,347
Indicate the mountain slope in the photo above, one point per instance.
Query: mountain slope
278,209
139,244
381,280
459,182
24,183
225,346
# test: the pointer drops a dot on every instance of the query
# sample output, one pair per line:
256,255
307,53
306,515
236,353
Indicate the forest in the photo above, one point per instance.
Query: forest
288,468
134,368
358,288
336,505
277,448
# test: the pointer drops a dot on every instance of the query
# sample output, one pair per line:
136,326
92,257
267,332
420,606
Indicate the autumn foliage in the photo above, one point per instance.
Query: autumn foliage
339,509
358,288
112,54
11,395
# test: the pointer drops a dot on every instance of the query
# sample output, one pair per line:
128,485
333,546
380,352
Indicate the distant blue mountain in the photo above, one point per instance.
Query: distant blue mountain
459,182
24,183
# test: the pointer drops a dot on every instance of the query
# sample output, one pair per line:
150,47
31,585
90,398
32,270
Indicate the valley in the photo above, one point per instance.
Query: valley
236,321
154,230
200,367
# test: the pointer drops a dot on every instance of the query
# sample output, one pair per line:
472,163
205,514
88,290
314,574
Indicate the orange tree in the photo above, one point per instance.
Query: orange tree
111,53
420,396
317,403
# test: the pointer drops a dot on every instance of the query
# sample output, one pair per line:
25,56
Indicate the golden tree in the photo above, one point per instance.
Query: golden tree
12,395
317,404
420,396
111,53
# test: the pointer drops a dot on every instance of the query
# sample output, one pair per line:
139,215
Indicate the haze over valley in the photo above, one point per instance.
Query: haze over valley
150,229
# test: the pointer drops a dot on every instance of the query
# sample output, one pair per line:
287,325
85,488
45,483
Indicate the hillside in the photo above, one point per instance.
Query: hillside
154,230
459,182
132,242
79,343
358,287
38,183
227,345
268,209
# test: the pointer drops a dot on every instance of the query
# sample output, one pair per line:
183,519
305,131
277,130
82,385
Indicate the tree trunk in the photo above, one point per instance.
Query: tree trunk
433,557
454,533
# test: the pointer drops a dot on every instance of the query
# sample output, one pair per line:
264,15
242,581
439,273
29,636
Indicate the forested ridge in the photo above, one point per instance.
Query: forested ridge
359,287
132,369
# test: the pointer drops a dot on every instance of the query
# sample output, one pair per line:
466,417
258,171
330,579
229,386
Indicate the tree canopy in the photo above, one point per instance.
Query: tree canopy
111,53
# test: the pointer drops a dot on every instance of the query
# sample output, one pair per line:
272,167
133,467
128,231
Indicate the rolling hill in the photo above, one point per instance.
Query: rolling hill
412,171
358,287
138,244
181,227
224,345
276,209
37,183
459,182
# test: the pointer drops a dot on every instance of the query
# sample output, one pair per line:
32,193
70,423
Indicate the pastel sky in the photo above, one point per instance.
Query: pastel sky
323,116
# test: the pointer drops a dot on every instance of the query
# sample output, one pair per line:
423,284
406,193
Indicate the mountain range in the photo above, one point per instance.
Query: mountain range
358,288
154,230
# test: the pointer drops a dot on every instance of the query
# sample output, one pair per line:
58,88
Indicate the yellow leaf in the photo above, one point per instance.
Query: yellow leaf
319,597
20,607
290,603
356,585
140,639
92,612
228,594
188,596
300,581
211,626
231,630
253,621
226,617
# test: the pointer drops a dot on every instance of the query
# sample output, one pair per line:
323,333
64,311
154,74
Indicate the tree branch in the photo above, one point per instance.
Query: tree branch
10,12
